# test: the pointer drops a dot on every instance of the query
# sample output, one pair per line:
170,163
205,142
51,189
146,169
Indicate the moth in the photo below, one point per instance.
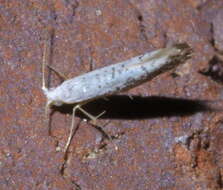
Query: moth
112,79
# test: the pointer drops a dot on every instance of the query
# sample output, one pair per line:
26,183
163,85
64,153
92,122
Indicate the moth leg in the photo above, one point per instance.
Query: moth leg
71,128
93,123
94,118
130,96
99,128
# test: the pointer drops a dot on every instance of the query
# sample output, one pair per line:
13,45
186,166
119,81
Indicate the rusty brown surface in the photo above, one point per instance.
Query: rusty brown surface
165,143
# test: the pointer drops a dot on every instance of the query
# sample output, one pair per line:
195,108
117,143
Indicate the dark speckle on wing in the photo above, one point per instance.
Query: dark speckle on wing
113,72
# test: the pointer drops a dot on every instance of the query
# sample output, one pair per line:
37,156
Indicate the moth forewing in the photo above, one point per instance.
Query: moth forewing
114,78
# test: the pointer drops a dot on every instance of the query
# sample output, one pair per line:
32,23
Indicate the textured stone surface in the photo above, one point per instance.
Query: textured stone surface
218,30
158,142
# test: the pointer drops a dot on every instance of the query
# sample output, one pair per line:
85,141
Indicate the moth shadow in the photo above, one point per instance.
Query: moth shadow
137,107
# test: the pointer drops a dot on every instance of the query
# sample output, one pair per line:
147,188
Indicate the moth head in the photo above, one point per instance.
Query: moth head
52,97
